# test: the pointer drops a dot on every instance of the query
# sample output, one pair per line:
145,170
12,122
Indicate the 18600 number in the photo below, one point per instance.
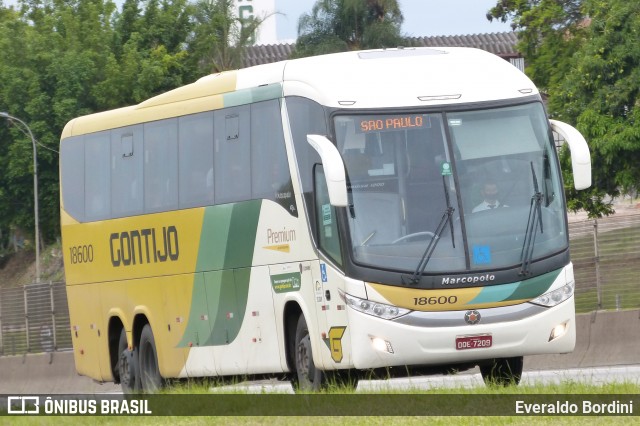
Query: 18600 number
81,254
433,300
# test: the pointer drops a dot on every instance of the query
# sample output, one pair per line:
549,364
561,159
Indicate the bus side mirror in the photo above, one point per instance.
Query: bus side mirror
580,157
333,169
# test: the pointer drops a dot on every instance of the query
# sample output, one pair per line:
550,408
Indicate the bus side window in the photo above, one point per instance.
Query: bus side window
97,183
329,239
270,177
161,165
232,155
127,171
195,156
72,176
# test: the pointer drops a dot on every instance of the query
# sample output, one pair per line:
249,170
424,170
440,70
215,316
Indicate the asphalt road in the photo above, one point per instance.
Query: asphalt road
472,379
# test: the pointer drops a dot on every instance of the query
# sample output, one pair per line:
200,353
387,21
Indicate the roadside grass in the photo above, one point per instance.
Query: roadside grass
531,394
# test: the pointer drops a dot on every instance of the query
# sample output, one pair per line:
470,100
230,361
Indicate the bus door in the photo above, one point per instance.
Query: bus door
327,280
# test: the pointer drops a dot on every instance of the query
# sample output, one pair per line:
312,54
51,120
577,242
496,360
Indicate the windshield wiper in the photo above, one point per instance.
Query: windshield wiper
535,219
426,256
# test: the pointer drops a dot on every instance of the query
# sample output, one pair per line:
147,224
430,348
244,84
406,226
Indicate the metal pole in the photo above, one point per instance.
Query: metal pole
26,317
53,317
597,259
1,327
35,190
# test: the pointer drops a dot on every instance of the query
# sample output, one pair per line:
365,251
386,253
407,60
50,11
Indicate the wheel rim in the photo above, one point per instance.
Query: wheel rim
303,364
125,376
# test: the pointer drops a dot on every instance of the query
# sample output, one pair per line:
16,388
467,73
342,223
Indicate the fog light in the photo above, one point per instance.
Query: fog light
381,345
558,331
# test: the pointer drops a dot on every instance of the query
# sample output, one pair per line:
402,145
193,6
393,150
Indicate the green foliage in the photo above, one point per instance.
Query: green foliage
60,59
220,37
601,93
342,25
584,54
549,33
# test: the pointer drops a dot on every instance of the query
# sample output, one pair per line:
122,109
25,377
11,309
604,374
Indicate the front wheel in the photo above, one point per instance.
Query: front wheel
307,376
502,371
150,379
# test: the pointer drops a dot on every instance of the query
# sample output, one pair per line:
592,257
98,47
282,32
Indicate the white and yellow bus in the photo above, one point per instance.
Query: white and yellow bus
321,215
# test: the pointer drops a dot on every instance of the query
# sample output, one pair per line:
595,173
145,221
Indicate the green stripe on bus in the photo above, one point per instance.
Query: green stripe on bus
224,261
495,293
521,290
534,287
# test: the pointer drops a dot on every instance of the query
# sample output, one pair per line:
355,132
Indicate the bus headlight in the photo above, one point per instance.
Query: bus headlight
380,310
555,297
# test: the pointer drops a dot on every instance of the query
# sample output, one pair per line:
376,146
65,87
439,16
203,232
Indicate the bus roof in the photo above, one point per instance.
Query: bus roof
402,77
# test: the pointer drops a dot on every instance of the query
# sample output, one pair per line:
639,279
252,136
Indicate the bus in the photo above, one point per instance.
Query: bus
318,218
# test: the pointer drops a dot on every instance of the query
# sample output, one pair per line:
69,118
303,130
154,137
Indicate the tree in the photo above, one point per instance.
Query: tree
601,94
583,55
341,25
63,58
549,33
220,37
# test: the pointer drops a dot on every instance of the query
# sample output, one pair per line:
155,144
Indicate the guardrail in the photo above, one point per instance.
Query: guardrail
605,255
34,318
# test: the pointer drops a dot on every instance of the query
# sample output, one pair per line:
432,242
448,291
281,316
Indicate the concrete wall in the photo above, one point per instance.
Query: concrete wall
53,373
602,339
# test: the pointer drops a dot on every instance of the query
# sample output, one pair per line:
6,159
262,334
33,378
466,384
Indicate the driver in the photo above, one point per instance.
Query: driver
490,195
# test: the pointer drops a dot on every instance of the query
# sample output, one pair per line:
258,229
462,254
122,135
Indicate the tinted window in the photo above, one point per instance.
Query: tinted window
232,155
72,169
328,236
270,177
161,165
126,171
169,164
97,188
305,118
196,159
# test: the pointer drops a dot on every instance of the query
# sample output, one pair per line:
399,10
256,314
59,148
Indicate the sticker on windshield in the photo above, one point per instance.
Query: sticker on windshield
455,122
481,255
326,214
445,169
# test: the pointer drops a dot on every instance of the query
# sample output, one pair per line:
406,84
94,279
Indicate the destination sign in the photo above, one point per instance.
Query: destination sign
387,123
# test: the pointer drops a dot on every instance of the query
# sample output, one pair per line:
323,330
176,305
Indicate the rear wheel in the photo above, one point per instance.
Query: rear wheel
502,371
126,366
307,377
150,379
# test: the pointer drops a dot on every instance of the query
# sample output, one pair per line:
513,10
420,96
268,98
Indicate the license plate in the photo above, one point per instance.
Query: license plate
474,342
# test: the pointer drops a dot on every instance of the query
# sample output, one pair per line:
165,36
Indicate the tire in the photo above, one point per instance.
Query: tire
150,379
126,366
307,377
502,371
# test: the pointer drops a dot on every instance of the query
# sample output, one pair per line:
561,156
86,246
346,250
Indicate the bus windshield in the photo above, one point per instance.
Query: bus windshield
482,187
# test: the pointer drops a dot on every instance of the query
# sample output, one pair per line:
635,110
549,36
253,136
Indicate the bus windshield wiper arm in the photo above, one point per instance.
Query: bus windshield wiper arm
426,256
535,219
